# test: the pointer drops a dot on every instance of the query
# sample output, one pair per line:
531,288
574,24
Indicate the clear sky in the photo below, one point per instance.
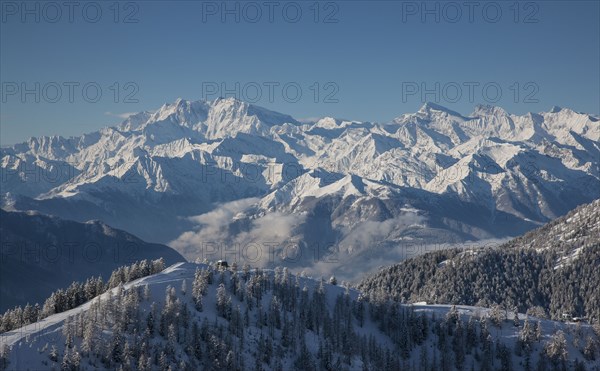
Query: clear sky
367,60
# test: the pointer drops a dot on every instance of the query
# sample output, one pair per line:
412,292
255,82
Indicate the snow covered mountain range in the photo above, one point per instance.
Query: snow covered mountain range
224,173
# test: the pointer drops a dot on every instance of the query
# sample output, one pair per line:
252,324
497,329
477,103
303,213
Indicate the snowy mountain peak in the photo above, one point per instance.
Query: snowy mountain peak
219,118
431,108
328,123
182,112
135,121
555,109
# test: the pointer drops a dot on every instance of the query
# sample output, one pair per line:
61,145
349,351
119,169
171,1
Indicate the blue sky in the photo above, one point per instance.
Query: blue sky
361,57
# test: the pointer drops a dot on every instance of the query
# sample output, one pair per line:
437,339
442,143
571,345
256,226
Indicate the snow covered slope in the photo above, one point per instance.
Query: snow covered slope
489,174
196,316
566,235
555,267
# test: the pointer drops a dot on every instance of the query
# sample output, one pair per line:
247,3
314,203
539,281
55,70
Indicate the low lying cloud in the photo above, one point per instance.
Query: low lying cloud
275,238
223,214
210,226
227,233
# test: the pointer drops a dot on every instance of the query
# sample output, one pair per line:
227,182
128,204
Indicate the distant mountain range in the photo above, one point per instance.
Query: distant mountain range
41,254
227,173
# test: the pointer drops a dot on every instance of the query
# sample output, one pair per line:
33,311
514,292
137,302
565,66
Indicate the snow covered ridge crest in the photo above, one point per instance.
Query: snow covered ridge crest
197,316
487,174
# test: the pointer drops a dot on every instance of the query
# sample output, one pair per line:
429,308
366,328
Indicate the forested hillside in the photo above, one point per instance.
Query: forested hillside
553,271
76,294
201,317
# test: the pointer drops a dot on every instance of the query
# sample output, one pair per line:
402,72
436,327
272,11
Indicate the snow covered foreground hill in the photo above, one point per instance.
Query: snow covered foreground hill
228,173
194,316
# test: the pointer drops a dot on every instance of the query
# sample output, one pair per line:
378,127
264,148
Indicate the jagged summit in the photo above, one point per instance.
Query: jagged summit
430,107
555,109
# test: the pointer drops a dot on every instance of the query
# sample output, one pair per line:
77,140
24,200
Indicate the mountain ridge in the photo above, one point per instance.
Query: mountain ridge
554,267
42,253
